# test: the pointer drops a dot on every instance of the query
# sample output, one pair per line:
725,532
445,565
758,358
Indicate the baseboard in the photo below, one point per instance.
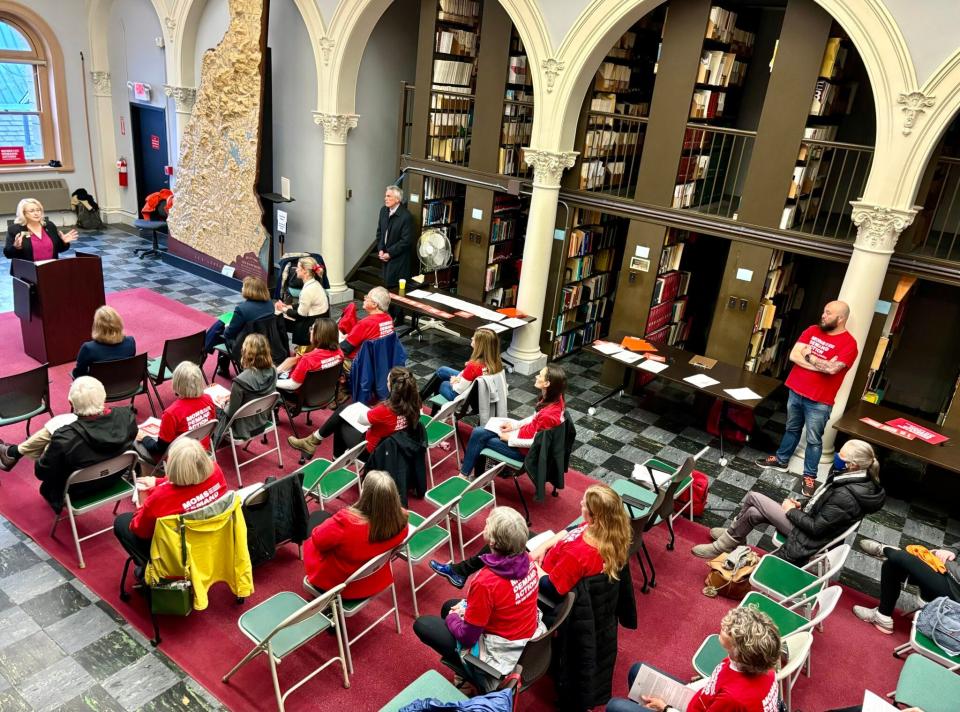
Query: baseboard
201,271
116,216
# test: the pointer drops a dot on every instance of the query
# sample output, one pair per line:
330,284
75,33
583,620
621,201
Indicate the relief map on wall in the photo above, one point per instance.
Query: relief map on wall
216,218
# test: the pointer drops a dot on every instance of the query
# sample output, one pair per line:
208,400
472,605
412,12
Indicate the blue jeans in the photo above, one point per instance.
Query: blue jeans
622,704
445,373
480,439
801,411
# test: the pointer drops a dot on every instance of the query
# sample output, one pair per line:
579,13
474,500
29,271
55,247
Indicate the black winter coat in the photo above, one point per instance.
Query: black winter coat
585,650
846,497
279,517
404,456
395,236
549,456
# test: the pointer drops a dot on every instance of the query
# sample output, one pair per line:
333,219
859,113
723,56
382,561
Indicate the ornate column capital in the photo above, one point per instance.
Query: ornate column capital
914,105
551,68
101,83
183,97
335,126
548,166
878,227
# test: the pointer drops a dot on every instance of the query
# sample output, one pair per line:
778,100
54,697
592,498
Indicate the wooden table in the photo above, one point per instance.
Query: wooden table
945,455
462,322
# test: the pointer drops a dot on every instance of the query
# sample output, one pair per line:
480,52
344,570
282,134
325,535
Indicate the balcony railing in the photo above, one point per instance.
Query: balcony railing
611,153
936,231
712,169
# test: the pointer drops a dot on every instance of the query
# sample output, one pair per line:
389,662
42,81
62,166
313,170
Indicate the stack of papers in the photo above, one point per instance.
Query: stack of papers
652,366
352,414
742,394
475,309
418,294
701,380
605,347
513,323
627,356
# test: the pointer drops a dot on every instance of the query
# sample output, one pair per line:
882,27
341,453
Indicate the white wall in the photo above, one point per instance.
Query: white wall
930,30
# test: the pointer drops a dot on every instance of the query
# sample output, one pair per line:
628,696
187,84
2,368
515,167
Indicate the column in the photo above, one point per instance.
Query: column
334,199
548,166
183,98
107,189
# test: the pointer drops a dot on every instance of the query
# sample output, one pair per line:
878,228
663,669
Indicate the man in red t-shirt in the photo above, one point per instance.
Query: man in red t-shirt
821,357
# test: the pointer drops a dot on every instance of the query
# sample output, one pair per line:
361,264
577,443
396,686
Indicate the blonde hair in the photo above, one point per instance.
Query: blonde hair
255,289
310,265
87,396
188,462
21,219
486,350
379,504
255,352
863,457
187,380
506,531
609,528
755,638
107,326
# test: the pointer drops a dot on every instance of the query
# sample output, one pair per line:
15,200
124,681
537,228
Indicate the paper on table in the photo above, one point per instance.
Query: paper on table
701,380
652,366
513,322
352,413
627,356
496,328
742,393
418,293
605,347
654,684
474,309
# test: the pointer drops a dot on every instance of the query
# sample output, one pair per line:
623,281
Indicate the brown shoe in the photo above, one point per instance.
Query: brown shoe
7,461
307,445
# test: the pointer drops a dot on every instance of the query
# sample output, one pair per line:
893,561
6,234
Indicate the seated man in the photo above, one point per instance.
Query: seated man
88,435
375,324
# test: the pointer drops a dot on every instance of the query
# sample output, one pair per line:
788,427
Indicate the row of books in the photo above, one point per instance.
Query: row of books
583,241
516,131
447,123
448,150
501,297
447,100
692,168
502,229
670,286
460,42
441,211
722,27
684,194
877,379
608,103
571,341
434,188
597,286
517,71
671,334
452,72
721,69
463,11
834,58
805,207
578,268
832,99
672,253
707,104
501,252
510,160
607,141
612,77
623,49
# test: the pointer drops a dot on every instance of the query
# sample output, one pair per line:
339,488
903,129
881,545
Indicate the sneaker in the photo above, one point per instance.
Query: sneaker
871,615
771,462
873,548
808,486
446,570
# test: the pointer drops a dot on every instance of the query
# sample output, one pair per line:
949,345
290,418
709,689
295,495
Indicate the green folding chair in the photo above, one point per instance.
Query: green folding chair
786,582
430,685
920,643
24,396
474,498
684,485
324,480
425,537
925,684
441,428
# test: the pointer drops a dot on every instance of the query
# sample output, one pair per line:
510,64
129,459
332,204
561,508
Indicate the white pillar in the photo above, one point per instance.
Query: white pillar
183,98
333,219
548,166
106,189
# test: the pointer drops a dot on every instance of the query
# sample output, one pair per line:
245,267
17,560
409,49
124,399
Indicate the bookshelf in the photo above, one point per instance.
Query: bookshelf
508,226
668,321
768,348
877,377
442,210
517,126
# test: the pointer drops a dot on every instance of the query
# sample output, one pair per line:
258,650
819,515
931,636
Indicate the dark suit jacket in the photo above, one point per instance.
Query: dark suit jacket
26,248
395,235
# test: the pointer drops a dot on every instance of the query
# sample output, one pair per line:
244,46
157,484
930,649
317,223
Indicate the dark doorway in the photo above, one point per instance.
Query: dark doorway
148,125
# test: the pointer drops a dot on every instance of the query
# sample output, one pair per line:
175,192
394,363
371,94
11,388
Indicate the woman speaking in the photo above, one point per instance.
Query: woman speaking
33,237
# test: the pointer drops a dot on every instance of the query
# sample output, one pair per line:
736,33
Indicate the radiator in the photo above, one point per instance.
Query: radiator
53,194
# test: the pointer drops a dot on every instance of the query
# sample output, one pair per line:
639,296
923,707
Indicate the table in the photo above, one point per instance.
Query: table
461,322
945,455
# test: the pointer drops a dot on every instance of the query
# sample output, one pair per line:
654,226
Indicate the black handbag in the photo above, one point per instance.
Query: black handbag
174,597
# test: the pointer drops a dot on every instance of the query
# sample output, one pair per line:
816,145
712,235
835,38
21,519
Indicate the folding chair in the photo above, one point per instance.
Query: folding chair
323,480
350,607
175,352
685,484
473,499
441,428
640,514
23,396
318,391
433,685
920,643
200,433
117,491
680,480
926,685
252,409
786,582
124,378
284,623
798,654
425,537
846,537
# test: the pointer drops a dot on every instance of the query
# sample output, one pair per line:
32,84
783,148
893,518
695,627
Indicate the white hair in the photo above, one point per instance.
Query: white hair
396,190
380,297
21,219
187,380
87,396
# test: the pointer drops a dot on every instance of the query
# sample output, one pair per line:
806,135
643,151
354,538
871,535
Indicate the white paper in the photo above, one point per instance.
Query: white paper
742,393
474,309
151,426
641,251
513,323
536,541
654,684
217,393
282,220
652,366
642,474
627,356
606,347
476,214
493,425
352,413
744,275
701,380
285,187
872,702
414,197
494,327
418,293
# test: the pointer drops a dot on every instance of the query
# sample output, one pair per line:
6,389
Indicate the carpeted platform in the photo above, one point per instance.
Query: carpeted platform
847,657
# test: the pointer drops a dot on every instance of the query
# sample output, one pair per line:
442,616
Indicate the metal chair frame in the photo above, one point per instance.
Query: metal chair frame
120,375
249,410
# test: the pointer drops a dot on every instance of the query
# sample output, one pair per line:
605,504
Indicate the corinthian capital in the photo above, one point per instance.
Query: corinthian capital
878,227
335,126
183,97
548,166
101,83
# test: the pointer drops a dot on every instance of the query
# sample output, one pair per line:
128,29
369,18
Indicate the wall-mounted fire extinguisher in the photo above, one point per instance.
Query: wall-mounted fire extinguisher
122,172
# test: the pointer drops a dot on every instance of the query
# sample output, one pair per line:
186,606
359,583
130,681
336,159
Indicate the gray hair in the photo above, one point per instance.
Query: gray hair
862,456
381,297
506,531
21,219
396,190
756,640
187,380
87,396
188,462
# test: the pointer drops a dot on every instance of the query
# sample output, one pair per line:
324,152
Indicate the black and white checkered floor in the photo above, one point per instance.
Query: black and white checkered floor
105,664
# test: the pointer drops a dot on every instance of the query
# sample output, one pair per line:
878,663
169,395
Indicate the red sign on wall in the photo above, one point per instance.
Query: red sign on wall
12,154
155,142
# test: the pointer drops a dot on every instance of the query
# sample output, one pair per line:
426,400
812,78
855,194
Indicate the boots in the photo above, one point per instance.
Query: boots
307,445
716,532
723,545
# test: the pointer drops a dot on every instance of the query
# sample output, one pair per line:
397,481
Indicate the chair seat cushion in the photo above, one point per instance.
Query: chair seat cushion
500,457
437,432
786,620
331,484
424,542
115,490
263,618
472,502
10,420
925,684
438,400
153,368
782,577
430,685
710,654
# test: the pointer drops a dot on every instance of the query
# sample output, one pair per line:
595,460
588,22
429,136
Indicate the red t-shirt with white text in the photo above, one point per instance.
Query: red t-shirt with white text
817,386
166,499
372,326
383,423
729,690
570,560
316,360
501,606
472,370
186,414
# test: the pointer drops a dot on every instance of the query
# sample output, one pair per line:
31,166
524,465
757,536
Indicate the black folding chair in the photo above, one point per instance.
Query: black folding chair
23,396
318,391
124,378
175,352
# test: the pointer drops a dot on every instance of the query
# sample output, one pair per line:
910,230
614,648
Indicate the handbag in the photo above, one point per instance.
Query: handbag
939,620
174,597
730,573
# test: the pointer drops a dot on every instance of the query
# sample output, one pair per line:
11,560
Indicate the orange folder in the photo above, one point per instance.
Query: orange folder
511,312
635,344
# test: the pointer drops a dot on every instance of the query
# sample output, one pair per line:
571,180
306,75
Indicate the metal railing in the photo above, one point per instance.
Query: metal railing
405,120
611,153
515,132
449,127
936,230
712,169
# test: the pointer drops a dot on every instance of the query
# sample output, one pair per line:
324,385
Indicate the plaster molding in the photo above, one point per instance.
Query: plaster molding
914,105
101,83
548,166
878,226
171,26
335,126
551,69
183,97
326,47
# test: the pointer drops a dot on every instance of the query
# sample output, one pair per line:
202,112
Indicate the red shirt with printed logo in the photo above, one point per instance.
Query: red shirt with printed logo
501,606
570,560
316,360
186,414
167,498
383,423
372,326
817,386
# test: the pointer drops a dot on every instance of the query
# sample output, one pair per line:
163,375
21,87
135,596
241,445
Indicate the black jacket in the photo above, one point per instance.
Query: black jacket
846,497
585,650
26,247
270,327
252,383
87,441
404,456
549,456
279,517
395,235
246,311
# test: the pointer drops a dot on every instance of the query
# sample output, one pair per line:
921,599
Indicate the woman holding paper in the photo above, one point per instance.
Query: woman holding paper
192,409
744,681
257,379
484,361
313,302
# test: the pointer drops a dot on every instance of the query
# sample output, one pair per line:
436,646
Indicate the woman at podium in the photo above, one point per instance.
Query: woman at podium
33,237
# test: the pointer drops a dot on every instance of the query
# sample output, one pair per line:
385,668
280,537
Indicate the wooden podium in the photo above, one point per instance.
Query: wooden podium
55,301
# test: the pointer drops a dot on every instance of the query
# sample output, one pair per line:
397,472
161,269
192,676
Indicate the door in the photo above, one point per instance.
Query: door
148,125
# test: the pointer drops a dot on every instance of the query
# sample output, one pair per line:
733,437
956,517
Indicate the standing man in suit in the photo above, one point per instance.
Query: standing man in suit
394,241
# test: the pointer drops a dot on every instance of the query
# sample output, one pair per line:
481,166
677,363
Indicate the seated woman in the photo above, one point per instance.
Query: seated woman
851,492
324,353
401,411
192,409
341,543
936,577
256,305
311,304
193,481
501,604
599,545
484,361
513,440
744,681
108,342
257,379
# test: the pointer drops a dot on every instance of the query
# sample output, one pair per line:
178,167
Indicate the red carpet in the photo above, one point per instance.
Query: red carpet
848,656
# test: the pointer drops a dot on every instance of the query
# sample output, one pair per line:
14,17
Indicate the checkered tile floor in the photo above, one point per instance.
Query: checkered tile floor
107,665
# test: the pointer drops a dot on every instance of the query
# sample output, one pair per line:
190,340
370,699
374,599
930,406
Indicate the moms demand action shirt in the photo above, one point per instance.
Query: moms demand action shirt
817,386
